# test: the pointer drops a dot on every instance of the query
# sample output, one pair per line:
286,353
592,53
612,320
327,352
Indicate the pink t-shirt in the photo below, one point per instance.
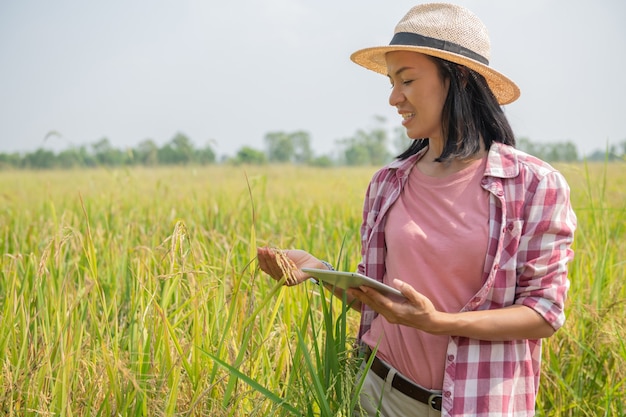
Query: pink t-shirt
436,236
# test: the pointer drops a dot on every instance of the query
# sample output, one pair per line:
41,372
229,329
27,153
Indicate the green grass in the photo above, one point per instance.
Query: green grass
584,372
135,292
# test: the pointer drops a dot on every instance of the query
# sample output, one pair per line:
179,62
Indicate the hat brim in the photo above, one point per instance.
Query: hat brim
505,90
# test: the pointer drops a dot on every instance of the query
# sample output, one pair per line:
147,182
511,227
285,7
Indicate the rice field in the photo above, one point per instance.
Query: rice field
136,293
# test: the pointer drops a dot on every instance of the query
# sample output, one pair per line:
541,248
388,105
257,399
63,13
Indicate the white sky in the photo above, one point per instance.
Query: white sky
231,71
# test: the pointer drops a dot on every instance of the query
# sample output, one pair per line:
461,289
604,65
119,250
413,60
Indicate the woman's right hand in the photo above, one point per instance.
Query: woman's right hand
287,264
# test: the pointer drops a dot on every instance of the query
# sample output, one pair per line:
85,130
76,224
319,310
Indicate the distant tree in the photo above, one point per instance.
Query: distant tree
147,153
178,151
86,157
248,155
567,152
400,140
40,159
10,160
280,147
377,142
524,144
550,152
106,154
356,153
609,154
183,148
205,155
167,155
301,140
323,161
70,158
366,147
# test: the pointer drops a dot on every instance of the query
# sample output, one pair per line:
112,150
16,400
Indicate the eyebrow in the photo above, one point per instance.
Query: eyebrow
399,71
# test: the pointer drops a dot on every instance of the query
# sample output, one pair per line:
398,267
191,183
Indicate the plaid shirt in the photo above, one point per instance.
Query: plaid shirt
531,229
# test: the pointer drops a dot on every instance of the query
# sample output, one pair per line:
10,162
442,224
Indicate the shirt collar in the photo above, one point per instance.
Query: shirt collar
501,162
404,165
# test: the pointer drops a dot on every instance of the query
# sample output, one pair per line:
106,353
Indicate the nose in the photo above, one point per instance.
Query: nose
395,97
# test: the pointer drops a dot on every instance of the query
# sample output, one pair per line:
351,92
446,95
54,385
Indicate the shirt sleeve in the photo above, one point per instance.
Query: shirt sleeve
371,199
545,249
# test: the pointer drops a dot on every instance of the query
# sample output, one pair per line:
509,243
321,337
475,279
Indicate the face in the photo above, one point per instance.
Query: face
418,92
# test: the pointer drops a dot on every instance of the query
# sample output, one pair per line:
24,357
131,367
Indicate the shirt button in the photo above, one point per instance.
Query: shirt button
484,181
447,394
450,358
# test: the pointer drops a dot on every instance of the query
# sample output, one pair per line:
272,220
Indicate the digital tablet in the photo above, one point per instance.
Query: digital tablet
347,280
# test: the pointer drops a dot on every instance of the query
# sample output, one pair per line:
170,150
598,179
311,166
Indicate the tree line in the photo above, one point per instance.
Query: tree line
374,146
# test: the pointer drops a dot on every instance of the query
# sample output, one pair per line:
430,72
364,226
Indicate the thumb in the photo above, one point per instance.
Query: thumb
407,290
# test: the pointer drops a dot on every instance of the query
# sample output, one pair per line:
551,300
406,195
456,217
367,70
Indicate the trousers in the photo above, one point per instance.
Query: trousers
379,399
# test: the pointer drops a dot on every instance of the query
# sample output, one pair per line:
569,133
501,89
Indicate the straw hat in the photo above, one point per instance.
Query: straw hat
446,31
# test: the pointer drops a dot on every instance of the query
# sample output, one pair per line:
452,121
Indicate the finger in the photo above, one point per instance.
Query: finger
267,263
357,293
372,298
263,256
407,290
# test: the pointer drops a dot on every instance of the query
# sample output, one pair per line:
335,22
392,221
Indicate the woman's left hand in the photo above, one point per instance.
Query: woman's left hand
415,311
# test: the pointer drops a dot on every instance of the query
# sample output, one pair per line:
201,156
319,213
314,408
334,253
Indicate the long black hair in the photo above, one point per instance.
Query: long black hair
470,112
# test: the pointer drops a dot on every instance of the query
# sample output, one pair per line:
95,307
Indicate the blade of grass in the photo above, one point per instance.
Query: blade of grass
256,386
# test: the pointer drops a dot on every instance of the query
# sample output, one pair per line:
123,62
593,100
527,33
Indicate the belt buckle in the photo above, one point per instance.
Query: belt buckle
432,401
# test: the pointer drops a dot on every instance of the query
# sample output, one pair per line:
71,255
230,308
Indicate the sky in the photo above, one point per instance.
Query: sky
226,73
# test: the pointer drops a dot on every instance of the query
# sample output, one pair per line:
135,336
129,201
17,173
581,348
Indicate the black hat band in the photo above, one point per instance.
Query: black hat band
413,39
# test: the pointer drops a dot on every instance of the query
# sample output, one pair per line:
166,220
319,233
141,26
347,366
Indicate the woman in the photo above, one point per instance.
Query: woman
475,234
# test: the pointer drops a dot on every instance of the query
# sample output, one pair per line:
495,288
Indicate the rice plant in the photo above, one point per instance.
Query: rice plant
136,292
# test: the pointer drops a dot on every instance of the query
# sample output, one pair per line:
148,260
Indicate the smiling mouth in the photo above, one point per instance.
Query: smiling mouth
406,117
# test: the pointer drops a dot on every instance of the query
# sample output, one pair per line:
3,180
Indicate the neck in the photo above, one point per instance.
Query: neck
435,148
430,167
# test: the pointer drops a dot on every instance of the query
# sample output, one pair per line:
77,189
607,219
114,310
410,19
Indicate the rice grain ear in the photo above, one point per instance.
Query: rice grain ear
287,267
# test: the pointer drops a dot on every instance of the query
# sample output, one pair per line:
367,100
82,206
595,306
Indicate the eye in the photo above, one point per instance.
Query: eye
405,82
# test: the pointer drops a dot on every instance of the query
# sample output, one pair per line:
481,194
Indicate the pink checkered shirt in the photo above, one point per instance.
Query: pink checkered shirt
531,230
